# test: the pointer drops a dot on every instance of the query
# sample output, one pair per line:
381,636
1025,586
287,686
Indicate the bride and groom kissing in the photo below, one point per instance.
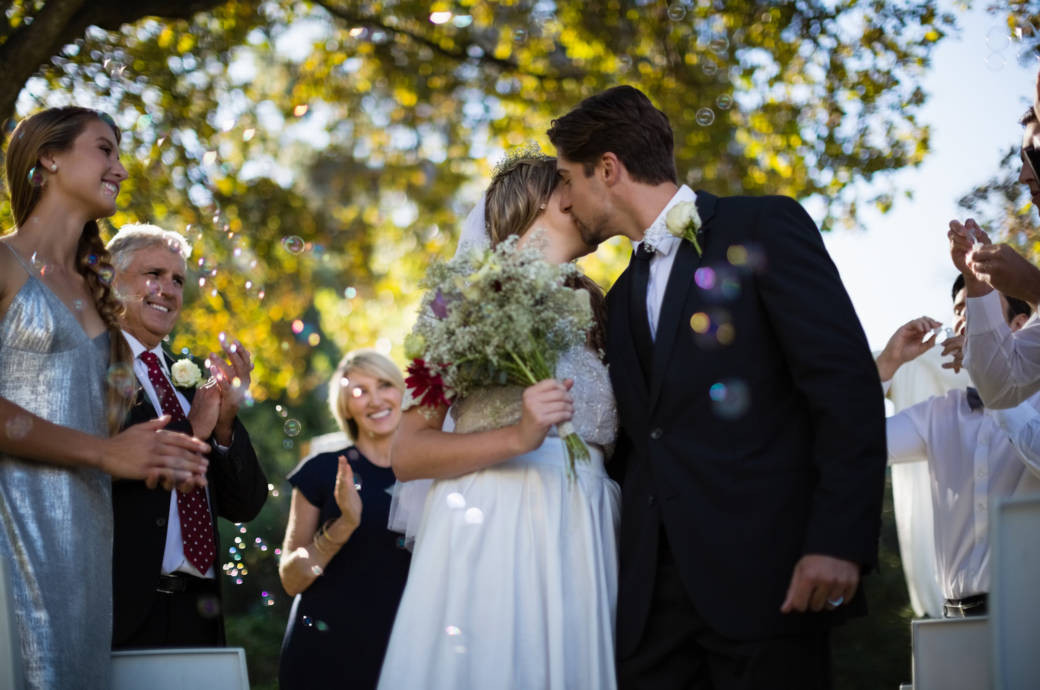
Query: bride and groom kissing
747,425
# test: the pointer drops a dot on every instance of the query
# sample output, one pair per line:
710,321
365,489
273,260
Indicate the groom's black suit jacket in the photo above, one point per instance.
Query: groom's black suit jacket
744,493
237,491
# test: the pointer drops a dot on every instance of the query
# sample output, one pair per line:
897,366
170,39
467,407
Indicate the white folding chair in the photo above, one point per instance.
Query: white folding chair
1014,603
221,668
951,653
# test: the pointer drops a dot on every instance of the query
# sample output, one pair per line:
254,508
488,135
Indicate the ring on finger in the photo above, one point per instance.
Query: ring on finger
835,603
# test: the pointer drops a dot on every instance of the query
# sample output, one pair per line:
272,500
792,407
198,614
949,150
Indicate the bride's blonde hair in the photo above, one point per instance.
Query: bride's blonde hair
518,194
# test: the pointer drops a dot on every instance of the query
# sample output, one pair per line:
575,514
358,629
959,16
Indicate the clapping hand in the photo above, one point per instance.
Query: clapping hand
346,493
232,377
159,457
205,409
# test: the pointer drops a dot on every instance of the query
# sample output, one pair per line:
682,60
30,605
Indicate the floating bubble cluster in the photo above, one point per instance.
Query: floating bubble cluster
292,428
676,12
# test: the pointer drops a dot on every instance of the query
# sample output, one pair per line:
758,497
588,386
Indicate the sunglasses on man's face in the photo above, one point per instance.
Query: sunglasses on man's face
1031,157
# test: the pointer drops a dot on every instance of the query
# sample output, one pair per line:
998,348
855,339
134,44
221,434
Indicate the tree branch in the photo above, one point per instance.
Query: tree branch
61,22
486,57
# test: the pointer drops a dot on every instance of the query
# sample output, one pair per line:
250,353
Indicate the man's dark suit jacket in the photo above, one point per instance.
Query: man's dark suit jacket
745,487
237,491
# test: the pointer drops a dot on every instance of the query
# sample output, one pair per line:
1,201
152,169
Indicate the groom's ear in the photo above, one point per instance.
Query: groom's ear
610,168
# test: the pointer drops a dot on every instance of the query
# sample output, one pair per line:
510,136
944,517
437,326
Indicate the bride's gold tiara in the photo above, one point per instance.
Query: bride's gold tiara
522,153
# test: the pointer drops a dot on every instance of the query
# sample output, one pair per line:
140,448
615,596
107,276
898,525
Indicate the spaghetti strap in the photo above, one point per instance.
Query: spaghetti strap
21,261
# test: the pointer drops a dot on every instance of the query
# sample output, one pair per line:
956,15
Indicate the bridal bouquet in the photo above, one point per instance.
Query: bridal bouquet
495,317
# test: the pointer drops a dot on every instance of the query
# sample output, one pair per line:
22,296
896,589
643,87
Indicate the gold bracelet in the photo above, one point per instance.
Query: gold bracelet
325,533
317,543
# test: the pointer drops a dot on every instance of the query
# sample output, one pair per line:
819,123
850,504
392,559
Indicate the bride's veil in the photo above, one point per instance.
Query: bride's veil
408,499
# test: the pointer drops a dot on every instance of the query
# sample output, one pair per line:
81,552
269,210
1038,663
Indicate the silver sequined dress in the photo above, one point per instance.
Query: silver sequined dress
513,580
56,522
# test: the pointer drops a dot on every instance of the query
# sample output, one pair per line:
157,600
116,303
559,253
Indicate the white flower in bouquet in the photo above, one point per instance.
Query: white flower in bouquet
185,373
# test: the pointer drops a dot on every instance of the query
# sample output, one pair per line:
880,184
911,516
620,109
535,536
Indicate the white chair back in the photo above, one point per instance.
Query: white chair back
222,668
951,654
1014,604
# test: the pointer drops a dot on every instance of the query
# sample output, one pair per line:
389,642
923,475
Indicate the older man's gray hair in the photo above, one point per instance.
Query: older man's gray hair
135,236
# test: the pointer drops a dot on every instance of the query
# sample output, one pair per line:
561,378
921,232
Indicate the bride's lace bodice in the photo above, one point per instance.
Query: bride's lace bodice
595,413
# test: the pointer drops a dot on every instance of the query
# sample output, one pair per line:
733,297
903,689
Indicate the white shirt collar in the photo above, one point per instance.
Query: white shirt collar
138,348
657,236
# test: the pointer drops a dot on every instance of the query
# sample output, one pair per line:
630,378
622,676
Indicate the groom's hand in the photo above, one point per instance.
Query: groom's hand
819,581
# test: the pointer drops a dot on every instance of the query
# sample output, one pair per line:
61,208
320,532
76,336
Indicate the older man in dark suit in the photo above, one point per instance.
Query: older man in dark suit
165,569
752,422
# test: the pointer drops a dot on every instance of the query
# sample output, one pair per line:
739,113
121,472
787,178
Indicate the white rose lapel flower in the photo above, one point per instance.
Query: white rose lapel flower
185,373
683,221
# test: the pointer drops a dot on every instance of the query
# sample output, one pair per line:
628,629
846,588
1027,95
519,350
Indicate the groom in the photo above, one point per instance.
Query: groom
752,422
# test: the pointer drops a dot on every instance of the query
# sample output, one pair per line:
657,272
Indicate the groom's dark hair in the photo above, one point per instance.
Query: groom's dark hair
623,121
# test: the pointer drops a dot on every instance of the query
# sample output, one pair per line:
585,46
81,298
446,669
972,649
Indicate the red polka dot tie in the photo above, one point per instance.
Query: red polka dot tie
193,509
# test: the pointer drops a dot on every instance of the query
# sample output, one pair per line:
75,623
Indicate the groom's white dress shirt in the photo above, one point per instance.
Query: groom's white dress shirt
665,245
971,460
1005,366
173,554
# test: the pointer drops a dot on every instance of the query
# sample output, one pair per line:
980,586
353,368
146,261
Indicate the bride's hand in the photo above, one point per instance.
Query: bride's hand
546,403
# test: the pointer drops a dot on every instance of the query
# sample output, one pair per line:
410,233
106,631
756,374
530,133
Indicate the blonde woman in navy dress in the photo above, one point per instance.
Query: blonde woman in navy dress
339,560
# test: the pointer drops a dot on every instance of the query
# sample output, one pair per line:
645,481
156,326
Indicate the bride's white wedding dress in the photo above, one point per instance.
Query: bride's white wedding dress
513,581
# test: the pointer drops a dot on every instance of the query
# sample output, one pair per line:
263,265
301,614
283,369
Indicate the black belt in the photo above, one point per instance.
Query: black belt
968,606
182,582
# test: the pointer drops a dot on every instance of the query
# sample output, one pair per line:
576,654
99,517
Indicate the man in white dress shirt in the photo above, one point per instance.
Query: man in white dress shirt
971,457
166,569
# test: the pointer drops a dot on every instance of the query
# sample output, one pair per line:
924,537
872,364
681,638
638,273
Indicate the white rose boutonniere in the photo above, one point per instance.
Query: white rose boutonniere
185,373
683,221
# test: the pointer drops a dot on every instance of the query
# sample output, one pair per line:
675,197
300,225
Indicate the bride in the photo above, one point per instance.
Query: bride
513,580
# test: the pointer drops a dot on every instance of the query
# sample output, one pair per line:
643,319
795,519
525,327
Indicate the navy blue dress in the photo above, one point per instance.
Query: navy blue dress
340,625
